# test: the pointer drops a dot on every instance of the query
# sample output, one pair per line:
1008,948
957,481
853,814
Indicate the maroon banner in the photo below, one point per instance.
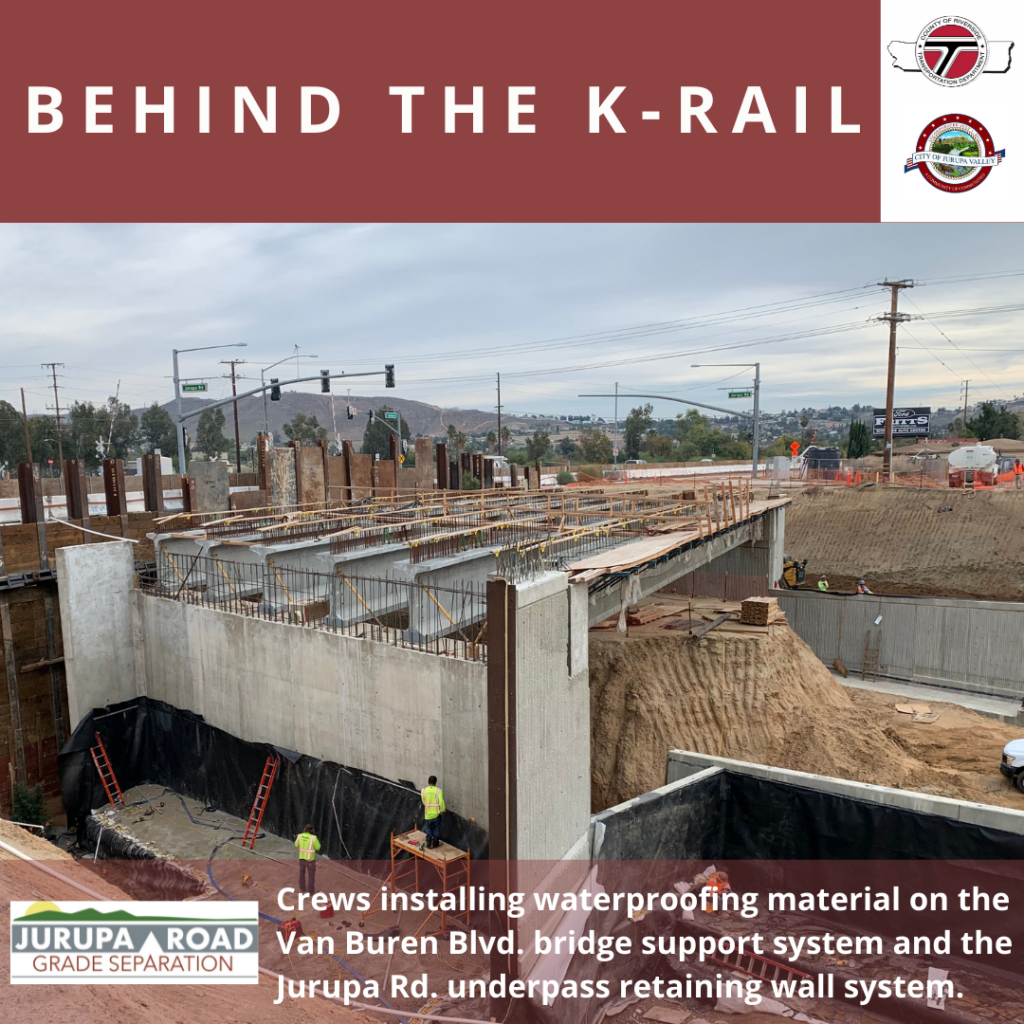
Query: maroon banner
726,112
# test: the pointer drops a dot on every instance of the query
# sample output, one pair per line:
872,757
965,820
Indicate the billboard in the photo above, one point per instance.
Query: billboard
906,422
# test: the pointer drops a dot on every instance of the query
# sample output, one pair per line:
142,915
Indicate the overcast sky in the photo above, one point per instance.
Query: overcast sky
557,309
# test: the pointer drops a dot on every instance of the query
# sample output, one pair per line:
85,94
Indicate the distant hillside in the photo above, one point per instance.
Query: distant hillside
424,420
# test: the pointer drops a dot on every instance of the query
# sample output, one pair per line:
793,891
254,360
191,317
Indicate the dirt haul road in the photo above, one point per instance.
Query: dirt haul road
945,543
766,698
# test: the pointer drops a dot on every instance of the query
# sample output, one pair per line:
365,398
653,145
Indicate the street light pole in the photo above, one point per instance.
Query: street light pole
757,409
177,393
263,383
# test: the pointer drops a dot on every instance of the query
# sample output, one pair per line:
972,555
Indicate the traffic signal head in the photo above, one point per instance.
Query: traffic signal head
325,381
275,391
350,411
389,375
371,415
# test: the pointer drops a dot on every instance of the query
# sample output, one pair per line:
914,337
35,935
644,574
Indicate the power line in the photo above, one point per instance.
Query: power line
954,344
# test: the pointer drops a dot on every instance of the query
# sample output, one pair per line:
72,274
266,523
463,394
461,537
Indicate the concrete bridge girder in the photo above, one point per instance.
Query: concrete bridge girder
765,531
434,614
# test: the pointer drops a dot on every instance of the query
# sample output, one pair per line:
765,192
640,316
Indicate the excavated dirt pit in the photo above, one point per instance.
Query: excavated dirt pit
940,542
759,694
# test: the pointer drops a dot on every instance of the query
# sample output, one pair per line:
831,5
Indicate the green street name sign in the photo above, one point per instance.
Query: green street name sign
391,415
193,387
740,394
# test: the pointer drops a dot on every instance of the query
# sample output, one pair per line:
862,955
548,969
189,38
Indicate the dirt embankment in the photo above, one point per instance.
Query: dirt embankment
767,699
944,543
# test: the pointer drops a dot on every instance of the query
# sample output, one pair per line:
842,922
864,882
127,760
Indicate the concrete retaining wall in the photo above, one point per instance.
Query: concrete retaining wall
93,584
968,645
552,717
398,713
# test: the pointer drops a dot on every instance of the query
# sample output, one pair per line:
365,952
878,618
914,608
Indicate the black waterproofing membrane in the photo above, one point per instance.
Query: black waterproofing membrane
149,741
732,816
774,836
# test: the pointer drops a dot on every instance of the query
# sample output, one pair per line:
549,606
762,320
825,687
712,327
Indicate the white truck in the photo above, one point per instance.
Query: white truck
1012,765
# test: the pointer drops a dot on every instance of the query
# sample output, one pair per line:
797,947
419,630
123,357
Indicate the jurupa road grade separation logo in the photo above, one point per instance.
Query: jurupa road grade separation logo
951,51
955,153
137,943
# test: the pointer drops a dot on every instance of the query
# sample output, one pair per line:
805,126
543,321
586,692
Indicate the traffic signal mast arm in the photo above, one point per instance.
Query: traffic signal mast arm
669,398
282,383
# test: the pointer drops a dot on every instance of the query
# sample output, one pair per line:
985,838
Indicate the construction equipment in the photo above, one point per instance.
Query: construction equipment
259,804
973,465
107,777
1012,765
792,572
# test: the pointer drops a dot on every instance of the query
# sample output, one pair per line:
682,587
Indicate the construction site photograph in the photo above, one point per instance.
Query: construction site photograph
577,644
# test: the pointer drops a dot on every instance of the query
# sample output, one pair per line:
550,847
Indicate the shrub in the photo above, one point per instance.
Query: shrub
29,804
470,483
565,478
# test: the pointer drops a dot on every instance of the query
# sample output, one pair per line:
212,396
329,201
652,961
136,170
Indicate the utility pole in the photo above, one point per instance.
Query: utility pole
56,403
238,444
615,431
966,384
28,433
499,414
893,317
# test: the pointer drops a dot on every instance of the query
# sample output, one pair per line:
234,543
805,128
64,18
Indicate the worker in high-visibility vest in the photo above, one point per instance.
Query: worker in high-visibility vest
433,807
1018,473
309,846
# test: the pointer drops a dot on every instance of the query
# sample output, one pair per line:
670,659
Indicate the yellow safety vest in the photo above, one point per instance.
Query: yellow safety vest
433,802
308,844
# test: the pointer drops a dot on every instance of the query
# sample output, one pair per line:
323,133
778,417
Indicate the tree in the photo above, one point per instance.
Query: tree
635,429
156,430
506,436
84,433
859,442
658,445
993,422
698,439
492,440
304,430
538,446
567,448
376,436
12,436
122,427
210,439
594,446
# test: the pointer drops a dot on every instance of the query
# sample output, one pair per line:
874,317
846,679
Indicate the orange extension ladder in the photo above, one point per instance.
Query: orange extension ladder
259,805
107,777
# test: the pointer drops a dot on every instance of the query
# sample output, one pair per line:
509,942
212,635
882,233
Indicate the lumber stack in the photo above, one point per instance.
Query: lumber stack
649,612
759,611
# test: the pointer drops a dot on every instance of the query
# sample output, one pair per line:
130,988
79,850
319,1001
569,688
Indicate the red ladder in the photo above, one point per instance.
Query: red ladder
259,805
107,777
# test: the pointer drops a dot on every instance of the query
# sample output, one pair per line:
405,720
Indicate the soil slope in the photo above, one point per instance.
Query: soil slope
766,698
947,543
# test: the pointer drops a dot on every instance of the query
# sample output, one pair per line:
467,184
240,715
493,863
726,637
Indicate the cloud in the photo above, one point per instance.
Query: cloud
557,309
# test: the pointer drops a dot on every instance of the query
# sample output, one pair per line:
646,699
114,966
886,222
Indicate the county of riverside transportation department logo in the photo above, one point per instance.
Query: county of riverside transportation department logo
951,51
134,943
955,153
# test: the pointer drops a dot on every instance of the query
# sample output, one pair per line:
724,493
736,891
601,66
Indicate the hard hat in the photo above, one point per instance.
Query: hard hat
861,582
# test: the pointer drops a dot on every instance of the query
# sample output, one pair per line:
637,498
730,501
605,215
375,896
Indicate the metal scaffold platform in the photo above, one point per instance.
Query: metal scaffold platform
443,869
